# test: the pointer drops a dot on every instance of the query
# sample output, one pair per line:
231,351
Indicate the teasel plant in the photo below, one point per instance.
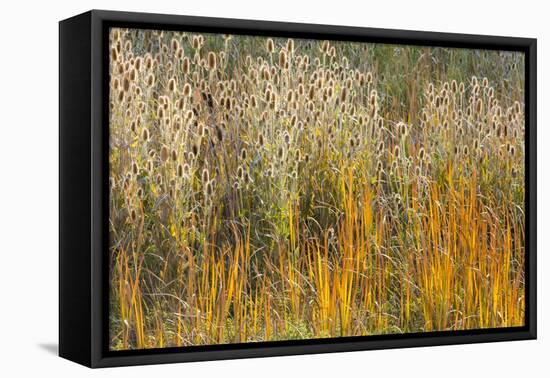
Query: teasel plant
272,188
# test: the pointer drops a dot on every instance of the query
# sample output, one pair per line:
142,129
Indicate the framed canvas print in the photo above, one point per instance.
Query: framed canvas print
234,188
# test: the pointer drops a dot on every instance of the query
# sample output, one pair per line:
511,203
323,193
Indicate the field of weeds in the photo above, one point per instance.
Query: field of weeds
273,189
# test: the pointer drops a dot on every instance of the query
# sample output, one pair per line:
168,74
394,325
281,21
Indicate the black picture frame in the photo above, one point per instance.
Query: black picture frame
83,182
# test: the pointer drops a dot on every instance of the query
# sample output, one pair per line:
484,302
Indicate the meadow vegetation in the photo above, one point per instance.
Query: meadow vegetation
271,189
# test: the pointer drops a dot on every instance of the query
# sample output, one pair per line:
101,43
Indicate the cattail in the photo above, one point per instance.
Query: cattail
243,154
180,170
466,151
174,155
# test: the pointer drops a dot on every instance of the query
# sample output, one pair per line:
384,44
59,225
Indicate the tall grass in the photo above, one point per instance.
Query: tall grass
270,189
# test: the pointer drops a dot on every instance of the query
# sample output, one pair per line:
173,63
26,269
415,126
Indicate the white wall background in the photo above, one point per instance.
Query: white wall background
29,186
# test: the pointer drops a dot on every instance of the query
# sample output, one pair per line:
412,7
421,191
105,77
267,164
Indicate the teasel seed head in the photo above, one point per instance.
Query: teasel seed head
209,189
421,153
185,66
172,85
135,169
369,77
293,120
282,59
454,86
205,176
195,42
379,167
126,84
240,172
381,147
517,108
150,81
211,61
344,94
402,129
286,137
290,45
164,154
280,153
479,106
145,134
270,45
397,152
